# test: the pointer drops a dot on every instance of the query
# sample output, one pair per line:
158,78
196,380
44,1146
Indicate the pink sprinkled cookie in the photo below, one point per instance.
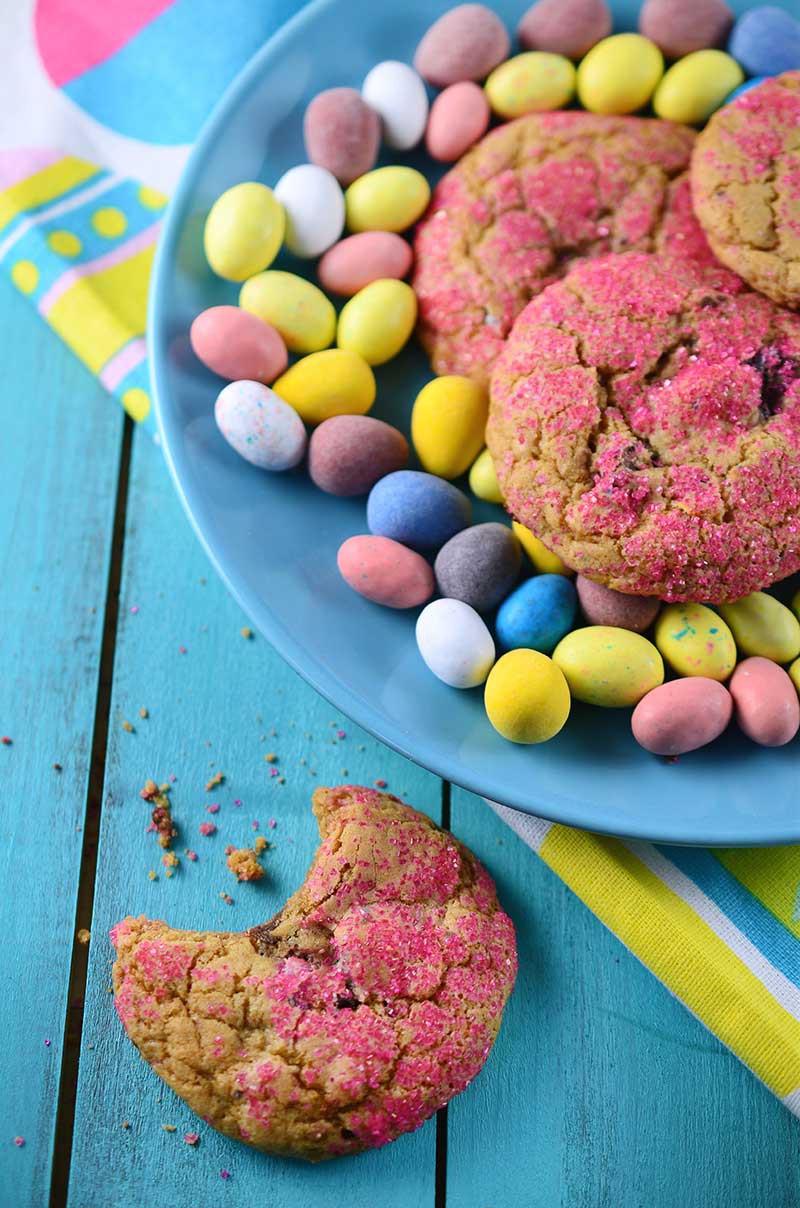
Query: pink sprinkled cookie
528,200
645,424
746,186
362,1007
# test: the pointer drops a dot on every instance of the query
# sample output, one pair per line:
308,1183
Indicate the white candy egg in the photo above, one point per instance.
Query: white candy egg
261,427
314,205
455,643
398,96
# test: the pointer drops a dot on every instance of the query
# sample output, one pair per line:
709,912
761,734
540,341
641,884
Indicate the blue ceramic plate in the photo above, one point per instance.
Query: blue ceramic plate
274,539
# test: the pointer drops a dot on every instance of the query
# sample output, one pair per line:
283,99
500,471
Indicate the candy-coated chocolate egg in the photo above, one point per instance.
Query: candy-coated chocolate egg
296,308
603,606
682,715
483,479
385,571
342,133
619,74
480,565
260,426
417,509
541,558
237,345
608,666
526,697
347,454
333,382
244,231
397,94
538,614
458,118
766,40
766,703
762,625
448,424
464,44
679,27
695,640
533,82
697,85
455,643
378,321
314,205
361,259
388,199
565,27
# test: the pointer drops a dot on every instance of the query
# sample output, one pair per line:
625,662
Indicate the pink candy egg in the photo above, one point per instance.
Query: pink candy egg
464,44
767,708
565,27
385,571
360,259
604,606
682,715
236,344
458,118
342,133
347,454
679,27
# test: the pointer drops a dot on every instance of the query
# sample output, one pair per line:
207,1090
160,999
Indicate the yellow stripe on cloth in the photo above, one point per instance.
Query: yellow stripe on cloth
99,314
43,186
772,875
675,944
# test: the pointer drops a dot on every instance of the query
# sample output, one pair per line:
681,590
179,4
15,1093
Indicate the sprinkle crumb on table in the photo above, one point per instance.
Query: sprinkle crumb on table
244,864
215,780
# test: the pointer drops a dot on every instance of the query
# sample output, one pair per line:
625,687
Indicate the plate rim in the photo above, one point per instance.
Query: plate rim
558,809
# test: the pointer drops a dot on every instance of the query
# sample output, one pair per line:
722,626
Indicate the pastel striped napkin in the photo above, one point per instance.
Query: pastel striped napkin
721,929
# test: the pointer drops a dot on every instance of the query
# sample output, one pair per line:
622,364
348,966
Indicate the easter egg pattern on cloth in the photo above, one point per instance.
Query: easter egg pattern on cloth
260,426
537,615
695,641
455,643
682,715
766,702
347,454
417,509
479,565
527,699
385,571
608,666
237,345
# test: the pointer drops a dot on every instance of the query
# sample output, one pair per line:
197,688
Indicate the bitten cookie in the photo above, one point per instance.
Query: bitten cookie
361,1008
529,199
645,424
746,186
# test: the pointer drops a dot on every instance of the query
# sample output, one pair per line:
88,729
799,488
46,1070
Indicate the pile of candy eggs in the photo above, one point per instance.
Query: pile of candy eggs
292,361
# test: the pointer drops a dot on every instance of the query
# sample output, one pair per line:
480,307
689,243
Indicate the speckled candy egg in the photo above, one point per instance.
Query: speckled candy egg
301,313
533,82
458,118
763,626
565,27
342,133
237,345
537,615
766,41
679,27
455,643
385,572
314,205
765,698
398,96
682,716
261,427
526,697
695,641
347,454
360,259
464,44
417,509
480,565
602,605
608,666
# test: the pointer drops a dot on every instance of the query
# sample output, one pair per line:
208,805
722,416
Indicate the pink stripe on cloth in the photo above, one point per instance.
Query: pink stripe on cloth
76,35
123,362
124,252
20,162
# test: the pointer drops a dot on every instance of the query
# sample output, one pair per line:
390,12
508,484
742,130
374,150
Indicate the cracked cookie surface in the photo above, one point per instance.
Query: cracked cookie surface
358,1011
746,186
645,424
529,199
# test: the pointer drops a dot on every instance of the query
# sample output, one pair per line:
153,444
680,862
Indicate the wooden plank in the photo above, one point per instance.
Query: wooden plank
60,440
210,709
602,1089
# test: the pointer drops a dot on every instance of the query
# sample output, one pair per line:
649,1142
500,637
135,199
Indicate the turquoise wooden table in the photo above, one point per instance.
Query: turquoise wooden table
602,1091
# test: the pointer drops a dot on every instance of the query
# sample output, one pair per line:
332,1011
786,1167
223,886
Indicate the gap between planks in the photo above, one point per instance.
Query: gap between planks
73,1025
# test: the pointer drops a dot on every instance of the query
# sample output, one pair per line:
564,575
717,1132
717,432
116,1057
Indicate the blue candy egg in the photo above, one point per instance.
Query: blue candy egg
417,509
538,614
745,87
766,41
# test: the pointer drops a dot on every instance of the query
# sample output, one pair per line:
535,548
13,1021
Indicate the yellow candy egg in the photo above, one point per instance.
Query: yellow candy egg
762,625
293,306
483,478
619,74
695,641
378,320
526,697
244,231
386,199
448,424
334,382
530,83
607,666
794,673
697,85
543,560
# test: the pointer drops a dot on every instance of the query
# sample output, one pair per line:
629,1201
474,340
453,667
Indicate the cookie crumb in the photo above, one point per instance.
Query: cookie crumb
169,1127
207,828
244,864
84,935
246,633
143,713
190,855
125,1124
260,845
213,808
57,767
152,875
128,728
169,859
270,757
380,784
216,779
227,899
